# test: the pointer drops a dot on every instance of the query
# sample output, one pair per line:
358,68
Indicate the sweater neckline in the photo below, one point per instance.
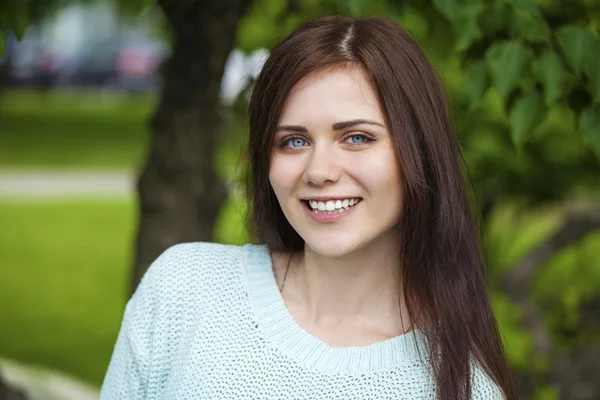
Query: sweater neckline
282,330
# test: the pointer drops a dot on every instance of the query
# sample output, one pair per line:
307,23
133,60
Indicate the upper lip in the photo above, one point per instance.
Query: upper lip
327,198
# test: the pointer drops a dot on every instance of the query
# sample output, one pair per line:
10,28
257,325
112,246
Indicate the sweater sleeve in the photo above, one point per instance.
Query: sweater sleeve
127,374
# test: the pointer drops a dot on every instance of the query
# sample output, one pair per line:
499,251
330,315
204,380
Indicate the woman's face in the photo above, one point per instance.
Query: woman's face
333,167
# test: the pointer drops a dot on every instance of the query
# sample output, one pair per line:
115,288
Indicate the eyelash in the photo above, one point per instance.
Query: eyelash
283,144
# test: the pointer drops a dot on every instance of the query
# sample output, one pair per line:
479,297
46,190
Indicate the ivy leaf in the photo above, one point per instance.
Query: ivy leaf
507,62
477,82
575,42
553,74
526,114
531,25
589,124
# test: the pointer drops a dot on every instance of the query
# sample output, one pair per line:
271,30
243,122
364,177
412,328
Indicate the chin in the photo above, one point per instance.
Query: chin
335,248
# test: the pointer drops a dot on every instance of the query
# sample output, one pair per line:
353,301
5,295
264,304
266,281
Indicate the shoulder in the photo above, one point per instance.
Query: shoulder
184,276
191,263
178,285
483,386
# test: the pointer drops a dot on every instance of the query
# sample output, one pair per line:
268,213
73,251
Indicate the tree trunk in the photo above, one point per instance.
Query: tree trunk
179,191
9,393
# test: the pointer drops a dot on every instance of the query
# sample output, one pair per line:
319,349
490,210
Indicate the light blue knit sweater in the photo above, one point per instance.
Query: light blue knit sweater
208,322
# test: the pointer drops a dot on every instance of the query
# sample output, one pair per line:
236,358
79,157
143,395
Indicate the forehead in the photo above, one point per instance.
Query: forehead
339,94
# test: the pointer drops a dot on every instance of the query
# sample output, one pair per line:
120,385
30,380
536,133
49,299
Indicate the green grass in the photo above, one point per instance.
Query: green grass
65,267
87,131
64,270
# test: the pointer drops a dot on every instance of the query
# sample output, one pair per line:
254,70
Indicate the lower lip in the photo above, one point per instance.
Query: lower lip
327,217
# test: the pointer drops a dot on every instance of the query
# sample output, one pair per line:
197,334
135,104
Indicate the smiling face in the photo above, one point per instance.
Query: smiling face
333,167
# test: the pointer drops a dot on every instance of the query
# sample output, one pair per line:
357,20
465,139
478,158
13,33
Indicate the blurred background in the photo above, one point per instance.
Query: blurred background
122,124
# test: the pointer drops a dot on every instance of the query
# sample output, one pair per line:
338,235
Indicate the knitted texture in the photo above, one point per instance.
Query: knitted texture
208,322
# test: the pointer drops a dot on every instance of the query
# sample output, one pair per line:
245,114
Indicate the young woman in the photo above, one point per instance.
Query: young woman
368,282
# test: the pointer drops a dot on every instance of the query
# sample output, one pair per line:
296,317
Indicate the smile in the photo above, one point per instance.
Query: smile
332,206
331,209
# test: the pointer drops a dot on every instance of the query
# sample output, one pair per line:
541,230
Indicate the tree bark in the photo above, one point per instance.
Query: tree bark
179,191
9,393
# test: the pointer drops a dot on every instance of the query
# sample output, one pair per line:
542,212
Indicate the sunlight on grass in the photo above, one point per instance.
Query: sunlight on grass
64,272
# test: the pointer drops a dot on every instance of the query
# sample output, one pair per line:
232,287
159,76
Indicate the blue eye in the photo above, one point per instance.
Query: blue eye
295,142
358,139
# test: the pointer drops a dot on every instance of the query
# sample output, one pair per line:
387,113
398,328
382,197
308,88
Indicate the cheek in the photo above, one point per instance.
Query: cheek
282,175
380,174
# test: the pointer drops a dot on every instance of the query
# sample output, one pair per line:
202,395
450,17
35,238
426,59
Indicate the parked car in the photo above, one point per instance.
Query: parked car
130,65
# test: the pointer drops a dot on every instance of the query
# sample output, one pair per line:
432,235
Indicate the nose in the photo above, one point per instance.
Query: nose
322,167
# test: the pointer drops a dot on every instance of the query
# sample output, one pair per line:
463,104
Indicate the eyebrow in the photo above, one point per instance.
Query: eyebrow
336,127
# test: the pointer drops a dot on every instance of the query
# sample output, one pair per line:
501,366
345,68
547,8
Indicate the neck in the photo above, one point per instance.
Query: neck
360,286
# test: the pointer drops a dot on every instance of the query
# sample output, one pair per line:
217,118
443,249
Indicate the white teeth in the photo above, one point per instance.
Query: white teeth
332,205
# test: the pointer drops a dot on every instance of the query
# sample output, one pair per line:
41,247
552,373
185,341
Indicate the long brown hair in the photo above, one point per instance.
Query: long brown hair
442,267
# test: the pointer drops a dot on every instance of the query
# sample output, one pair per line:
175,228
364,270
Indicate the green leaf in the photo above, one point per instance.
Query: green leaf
477,82
553,74
463,15
589,124
527,6
466,26
591,67
575,41
494,18
531,25
526,114
507,62
448,8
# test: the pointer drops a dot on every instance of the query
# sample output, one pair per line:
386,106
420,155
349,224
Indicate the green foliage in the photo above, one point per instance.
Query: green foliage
526,114
15,15
2,45
526,45
263,26
545,393
590,126
591,67
507,62
527,22
576,42
477,82
464,18
553,75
